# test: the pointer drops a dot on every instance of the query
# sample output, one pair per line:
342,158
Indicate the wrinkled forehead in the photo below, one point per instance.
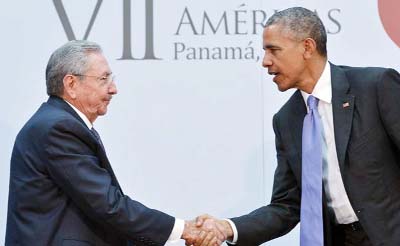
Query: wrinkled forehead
278,32
97,62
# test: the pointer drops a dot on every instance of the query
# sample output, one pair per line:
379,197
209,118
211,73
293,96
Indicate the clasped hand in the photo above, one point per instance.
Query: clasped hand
206,230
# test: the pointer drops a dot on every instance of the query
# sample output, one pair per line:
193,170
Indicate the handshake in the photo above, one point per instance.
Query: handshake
206,230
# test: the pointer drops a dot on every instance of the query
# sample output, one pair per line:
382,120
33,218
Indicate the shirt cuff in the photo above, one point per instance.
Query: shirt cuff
235,232
177,231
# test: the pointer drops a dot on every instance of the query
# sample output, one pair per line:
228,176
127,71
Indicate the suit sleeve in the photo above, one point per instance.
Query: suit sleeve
73,165
388,90
282,214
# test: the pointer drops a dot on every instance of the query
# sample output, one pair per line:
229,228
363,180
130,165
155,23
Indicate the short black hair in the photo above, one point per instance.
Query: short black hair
302,23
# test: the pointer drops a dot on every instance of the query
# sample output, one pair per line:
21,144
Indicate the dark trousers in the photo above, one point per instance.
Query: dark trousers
350,235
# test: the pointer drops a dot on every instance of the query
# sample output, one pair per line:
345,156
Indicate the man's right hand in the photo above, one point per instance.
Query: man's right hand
208,222
203,233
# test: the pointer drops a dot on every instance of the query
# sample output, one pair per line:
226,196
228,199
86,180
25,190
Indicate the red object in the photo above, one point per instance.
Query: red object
389,13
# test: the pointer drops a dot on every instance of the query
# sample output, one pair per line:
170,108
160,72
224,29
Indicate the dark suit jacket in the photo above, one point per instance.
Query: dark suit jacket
63,190
367,136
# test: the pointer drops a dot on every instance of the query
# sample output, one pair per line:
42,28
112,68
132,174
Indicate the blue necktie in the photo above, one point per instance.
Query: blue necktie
311,224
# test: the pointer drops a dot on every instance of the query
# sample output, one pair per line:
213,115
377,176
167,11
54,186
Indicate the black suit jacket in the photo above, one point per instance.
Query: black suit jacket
367,136
63,190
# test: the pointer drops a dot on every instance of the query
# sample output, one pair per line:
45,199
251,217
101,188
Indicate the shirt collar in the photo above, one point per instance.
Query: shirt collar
323,88
83,116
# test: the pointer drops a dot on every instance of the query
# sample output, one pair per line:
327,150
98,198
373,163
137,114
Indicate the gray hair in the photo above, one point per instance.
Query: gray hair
71,58
301,23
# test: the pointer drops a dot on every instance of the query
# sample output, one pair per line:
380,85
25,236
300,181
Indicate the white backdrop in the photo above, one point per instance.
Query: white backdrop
185,134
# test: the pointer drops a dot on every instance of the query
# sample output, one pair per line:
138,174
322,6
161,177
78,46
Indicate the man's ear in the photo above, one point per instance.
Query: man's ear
70,84
310,47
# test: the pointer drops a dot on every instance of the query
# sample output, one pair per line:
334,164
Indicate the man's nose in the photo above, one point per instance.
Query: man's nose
113,88
266,60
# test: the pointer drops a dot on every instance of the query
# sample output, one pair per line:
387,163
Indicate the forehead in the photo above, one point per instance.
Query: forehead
98,63
276,35
272,32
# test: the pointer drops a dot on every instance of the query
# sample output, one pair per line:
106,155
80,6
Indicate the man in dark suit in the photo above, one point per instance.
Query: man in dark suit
63,190
358,110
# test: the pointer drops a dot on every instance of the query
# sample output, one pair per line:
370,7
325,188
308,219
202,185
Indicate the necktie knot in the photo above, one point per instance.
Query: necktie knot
312,102
96,134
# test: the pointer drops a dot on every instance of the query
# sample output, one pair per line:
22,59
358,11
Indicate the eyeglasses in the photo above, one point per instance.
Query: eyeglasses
105,80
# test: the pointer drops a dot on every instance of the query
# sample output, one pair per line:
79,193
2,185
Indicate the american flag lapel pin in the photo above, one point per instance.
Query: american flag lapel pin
346,104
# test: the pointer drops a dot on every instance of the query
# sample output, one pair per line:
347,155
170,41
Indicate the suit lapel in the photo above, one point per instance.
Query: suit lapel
104,162
60,103
298,111
343,107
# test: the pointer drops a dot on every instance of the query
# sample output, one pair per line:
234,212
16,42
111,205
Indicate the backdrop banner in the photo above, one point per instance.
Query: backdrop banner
190,130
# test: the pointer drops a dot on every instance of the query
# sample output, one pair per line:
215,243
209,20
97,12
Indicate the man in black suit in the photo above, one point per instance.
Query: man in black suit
359,111
63,190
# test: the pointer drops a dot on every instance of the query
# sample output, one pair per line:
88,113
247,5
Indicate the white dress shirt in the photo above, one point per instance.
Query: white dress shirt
336,195
179,225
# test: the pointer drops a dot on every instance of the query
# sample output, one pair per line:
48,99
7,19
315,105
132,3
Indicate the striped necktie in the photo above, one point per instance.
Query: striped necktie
311,222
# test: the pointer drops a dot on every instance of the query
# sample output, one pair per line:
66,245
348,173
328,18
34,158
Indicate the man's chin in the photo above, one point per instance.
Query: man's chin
102,111
281,87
